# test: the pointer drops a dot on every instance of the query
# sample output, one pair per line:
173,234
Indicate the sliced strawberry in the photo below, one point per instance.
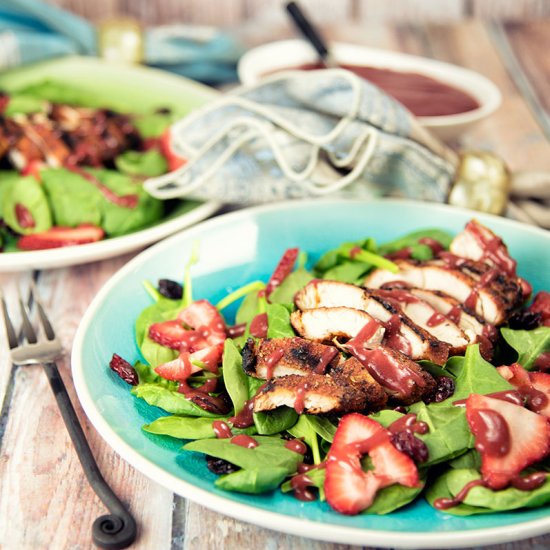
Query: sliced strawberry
283,270
534,387
515,374
348,488
508,437
541,305
33,168
165,143
168,333
210,357
56,237
178,370
206,320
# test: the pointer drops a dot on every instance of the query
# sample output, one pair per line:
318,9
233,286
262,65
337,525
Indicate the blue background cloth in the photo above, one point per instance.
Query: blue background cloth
31,30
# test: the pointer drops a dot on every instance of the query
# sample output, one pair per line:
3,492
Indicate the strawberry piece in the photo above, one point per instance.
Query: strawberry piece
24,217
178,370
534,387
348,488
282,271
508,437
210,356
168,333
515,374
165,144
206,320
57,237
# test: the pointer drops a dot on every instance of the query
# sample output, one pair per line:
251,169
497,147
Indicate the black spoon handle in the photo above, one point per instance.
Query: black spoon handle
309,31
112,531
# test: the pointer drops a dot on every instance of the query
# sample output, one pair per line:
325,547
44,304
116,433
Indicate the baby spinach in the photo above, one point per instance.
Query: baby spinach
419,251
169,400
189,427
529,344
392,498
481,500
278,322
236,381
284,293
142,163
276,421
253,481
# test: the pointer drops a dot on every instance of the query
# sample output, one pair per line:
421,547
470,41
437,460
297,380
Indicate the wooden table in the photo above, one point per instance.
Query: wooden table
45,501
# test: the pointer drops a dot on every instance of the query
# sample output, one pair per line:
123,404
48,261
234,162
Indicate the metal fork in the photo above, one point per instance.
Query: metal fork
117,529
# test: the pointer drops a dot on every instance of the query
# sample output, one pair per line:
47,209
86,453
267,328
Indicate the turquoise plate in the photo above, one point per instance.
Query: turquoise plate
237,248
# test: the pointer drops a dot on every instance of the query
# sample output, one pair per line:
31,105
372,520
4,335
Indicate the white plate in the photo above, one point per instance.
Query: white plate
287,54
112,83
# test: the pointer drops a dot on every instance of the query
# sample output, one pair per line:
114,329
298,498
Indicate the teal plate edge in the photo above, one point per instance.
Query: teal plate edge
243,246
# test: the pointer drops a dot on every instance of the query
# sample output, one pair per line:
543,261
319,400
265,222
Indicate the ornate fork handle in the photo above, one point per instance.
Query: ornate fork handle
117,529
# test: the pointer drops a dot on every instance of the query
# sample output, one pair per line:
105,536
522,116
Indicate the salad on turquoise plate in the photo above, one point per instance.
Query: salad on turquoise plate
77,138
363,372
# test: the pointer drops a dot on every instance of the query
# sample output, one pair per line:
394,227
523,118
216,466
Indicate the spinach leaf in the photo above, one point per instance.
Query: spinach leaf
236,380
348,272
169,400
24,105
137,163
471,460
386,417
257,481
317,477
392,498
248,309
418,250
28,192
304,429
276,421
278,322
270,453
154,124
185,427
481,500
529,344
284,293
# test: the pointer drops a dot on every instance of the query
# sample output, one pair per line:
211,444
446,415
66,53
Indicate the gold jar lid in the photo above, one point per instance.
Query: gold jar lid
482,183
121,40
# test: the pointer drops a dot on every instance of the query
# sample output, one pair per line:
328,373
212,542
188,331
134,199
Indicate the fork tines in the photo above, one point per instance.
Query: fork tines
35,350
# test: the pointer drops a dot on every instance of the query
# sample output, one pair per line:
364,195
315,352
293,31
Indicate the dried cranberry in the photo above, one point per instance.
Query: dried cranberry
170,289
220,466
407,443
444,389
124,370
525,320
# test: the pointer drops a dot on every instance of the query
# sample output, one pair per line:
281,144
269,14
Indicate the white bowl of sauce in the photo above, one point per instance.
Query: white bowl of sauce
446,98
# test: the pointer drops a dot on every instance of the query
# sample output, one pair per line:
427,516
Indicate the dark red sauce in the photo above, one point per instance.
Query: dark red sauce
297,446
244,418
24,216
354,251
272,361
535,400
436,319
408,422
327,356
451,260
300,484
436,246
360,341
446,503
125,201
454,314
399,295
512,396
491,431
221,429
245,441
543,361
258,326
530,482
494,250
402,254
393,338
422,95
236,330
299,402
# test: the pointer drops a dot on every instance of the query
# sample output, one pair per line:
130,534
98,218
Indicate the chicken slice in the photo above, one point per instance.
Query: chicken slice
427,317
323,324
350,389
404,334
484,290
272,358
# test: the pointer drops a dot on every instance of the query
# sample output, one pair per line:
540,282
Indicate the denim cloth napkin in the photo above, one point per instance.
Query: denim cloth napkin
304,135
31,30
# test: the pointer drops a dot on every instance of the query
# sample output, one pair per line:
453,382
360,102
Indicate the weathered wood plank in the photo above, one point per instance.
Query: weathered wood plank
44,493
410,10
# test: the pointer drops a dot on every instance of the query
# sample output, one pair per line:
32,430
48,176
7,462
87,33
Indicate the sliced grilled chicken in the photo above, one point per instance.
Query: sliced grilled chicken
472,325
428,317
401,332
479,243
350,389
402,379
323,324
272,358
482,289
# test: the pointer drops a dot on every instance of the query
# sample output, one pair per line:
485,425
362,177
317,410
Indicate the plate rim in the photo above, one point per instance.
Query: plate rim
267,518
